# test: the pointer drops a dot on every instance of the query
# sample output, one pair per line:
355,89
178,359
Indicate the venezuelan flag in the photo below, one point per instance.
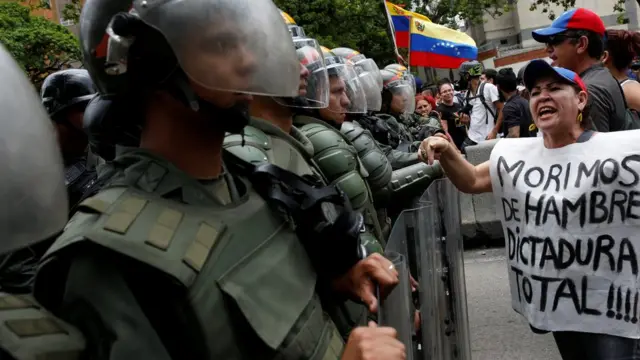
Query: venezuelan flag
401,21
437,46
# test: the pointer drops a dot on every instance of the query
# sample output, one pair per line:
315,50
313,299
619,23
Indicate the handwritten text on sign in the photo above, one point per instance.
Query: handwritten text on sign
571,220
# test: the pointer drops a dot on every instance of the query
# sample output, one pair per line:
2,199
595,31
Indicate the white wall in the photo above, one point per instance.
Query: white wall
517,66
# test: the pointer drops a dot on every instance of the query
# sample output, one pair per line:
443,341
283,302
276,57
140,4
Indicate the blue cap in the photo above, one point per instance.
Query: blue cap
536,68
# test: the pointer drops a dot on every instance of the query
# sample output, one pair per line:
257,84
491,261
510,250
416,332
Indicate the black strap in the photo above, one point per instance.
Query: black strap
585,136
484,102
480,95
294,192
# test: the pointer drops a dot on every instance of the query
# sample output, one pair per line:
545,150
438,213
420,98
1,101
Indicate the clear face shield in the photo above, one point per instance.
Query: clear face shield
33,189
371,90
346,93
313,91
403,96
228,45
369,66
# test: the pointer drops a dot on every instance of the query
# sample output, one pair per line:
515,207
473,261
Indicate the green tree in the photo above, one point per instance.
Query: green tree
545,7
363,25
71,11
39,45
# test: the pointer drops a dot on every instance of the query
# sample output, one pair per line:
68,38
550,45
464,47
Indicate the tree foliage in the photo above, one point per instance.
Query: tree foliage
71,11
546,7
38,45
363,25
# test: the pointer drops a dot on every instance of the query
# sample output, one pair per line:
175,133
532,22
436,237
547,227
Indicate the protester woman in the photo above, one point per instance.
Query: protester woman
622,47
426,117
425,104
576,311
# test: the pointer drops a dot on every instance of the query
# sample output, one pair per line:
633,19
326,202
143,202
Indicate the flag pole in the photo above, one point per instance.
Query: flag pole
393,31
409,49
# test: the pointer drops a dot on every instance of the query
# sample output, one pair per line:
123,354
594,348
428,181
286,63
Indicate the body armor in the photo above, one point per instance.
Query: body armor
245,284
339,162
379,129
388,185
398,137
265,142
29,332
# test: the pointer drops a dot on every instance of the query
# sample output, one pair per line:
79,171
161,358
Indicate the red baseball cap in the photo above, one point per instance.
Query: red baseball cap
576,19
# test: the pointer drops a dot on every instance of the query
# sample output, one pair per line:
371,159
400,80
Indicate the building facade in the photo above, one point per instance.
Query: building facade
506,40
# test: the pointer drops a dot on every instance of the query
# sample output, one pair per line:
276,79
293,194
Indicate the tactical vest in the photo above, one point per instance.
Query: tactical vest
248,280
277,147
399,136
28,332
339,162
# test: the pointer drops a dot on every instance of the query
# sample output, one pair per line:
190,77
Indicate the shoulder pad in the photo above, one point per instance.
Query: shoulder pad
29,332
351,129
159,232
254,147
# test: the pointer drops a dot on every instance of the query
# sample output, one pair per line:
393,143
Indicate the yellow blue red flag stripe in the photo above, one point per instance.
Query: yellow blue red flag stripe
401,20
437,46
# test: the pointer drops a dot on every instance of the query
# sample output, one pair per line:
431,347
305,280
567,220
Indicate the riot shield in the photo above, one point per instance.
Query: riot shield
409,234
443,301
396,310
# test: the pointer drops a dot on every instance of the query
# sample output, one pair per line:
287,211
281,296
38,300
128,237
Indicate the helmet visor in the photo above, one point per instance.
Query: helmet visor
230,45
403,99
370,66
372,91
313,92
346,90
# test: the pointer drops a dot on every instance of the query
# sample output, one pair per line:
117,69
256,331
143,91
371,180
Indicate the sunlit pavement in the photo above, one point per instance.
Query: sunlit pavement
498,332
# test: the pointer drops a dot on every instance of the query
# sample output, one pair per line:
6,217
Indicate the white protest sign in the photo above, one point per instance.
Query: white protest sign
571,221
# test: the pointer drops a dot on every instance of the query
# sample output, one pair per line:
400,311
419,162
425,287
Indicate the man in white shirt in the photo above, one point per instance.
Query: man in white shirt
484,99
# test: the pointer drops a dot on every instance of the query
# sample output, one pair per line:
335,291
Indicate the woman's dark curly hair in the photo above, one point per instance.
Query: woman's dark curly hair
623,46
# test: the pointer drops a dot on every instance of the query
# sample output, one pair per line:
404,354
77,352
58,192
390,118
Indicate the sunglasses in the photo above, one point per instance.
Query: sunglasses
554,40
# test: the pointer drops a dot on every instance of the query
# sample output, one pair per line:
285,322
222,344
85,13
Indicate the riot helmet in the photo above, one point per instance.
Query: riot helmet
398,96
369,75
405,73
65,89
360,61
33,190
188,48
345,85
294,29
314,81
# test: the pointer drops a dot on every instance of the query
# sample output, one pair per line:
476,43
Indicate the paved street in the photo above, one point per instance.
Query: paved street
497,332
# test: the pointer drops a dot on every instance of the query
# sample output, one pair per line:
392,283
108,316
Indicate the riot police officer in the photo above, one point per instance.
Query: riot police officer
393,174
180,256
397,102
34,209
272,137
65,94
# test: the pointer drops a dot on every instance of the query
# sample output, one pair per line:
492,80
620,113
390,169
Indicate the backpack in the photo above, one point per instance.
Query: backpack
480,96
631,119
